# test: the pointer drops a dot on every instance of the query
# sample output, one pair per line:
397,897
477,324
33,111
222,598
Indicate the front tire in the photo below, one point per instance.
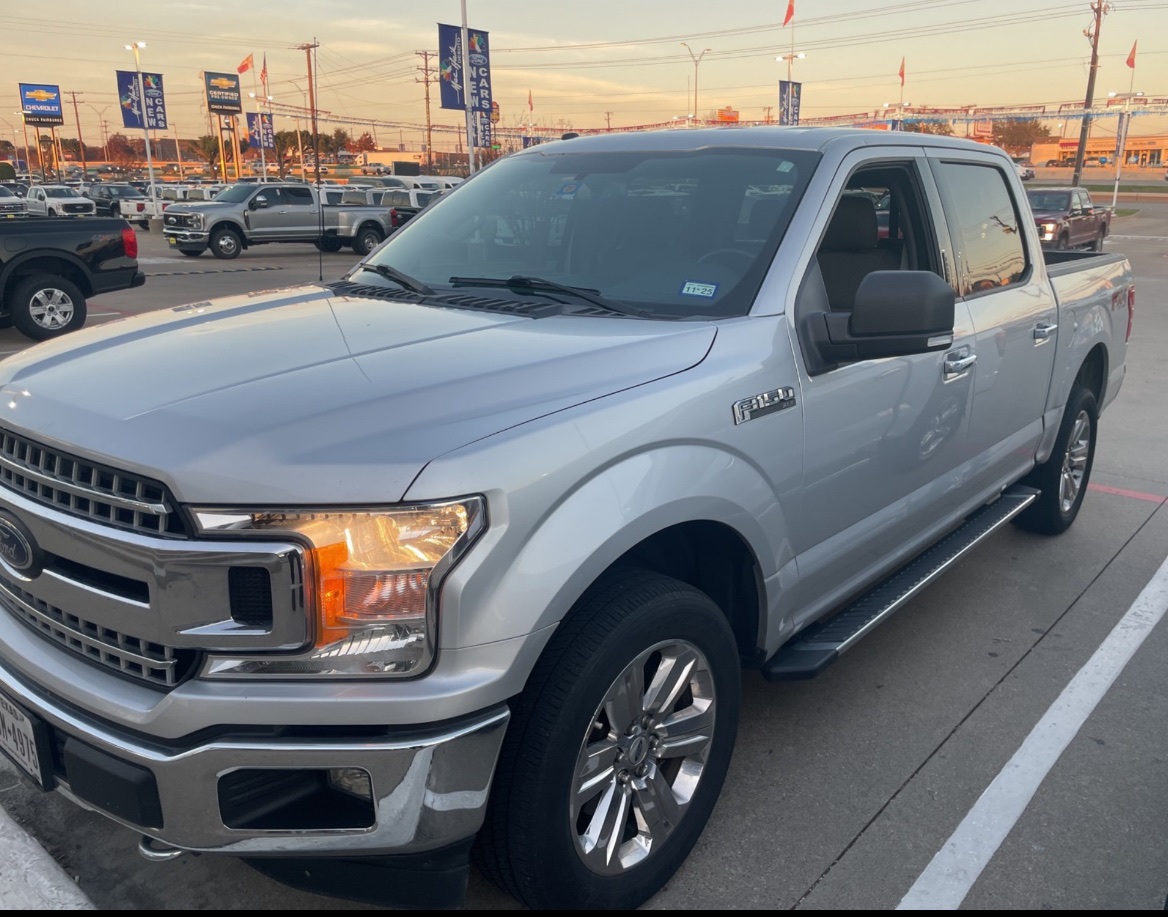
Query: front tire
329,244
225,244
46,306
1063,477
1062,244
617,749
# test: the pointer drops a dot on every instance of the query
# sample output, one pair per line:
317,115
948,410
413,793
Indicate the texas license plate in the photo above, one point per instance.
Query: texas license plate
25,741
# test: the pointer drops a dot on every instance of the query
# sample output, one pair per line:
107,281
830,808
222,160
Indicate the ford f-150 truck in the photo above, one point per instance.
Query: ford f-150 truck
49,266
471,546
259,213
1067,218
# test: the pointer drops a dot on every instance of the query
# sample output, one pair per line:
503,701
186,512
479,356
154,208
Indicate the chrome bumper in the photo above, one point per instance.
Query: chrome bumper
186,235
429,788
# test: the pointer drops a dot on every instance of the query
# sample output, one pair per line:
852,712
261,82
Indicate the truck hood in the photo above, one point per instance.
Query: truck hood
1049,216
198,206
303,396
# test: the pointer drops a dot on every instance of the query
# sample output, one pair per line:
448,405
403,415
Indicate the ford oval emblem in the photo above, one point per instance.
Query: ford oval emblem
18,548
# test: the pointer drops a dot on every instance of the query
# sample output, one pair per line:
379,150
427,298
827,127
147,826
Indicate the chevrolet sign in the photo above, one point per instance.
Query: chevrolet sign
222,90
40,104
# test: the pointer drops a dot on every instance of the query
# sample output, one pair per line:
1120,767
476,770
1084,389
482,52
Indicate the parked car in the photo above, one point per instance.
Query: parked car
49,267
118,199
11,205
58,201
245,215
470,546
1025,172
1067,218
18,188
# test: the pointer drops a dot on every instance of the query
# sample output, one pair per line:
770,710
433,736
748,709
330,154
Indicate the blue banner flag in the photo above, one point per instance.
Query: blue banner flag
40,103
454,85
223,97
147,102
789,94
254,122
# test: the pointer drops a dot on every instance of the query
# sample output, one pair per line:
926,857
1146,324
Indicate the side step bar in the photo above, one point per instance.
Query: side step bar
812,650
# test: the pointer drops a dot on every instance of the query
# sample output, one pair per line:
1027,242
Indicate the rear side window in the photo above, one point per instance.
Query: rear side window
985,225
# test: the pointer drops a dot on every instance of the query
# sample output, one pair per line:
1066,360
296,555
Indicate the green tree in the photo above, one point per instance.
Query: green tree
207,149
1017,135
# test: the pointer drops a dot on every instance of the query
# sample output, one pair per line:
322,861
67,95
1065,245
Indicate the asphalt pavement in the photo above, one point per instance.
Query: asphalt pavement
999,744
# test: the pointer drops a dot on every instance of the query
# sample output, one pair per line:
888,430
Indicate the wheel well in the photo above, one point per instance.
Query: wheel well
713,558
1093,373
371,224
227,224
48,265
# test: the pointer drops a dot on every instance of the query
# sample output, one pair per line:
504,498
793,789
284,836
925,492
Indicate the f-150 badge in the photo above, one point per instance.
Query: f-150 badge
766,403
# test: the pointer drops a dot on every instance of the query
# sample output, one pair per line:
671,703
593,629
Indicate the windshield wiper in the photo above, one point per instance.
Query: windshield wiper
402,280
522,284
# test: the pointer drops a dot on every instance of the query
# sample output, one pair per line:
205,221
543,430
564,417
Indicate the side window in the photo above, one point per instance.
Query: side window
1081,204
300,197
398,199
985,224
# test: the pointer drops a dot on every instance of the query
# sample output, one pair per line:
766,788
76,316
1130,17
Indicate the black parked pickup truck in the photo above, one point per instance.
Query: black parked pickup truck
48,267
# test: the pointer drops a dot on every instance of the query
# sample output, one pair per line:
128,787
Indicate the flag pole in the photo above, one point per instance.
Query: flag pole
1121,138
470,115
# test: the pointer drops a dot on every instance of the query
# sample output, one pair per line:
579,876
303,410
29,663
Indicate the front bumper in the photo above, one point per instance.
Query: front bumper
264,794
191,237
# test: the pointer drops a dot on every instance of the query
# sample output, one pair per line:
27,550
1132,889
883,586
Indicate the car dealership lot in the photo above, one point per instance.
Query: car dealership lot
843,789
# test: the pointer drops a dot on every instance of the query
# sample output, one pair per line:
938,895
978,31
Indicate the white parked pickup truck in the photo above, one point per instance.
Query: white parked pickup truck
470,547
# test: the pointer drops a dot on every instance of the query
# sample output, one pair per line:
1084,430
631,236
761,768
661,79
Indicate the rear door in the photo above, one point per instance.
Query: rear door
1013,309
302,212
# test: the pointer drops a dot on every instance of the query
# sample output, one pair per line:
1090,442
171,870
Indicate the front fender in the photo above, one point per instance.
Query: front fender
535,560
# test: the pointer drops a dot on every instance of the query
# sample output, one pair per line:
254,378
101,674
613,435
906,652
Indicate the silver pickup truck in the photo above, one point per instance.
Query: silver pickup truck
257,214
471,546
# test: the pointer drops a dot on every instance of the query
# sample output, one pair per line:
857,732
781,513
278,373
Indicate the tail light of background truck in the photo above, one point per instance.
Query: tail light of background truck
1131,310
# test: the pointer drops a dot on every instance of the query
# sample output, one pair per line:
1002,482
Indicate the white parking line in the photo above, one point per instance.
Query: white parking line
958,864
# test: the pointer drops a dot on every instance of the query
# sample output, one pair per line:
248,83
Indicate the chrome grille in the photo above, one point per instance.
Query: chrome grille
140,659
87,489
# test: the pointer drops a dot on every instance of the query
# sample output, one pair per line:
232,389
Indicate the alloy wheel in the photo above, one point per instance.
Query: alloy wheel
51,309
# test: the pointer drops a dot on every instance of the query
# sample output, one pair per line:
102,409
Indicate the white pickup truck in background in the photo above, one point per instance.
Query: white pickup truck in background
470,547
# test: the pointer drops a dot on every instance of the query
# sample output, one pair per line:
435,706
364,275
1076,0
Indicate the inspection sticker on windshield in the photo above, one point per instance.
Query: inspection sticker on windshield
690,288
568,189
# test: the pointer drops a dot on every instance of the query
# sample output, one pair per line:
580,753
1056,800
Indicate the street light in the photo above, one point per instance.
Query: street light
790,59
1121,136
136,47
697,59
27,157
899,108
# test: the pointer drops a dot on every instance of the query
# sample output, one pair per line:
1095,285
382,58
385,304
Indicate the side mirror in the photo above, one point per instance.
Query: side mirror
259,203
895,313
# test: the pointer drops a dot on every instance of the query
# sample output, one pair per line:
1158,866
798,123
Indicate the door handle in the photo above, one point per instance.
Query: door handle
957,363
1044,331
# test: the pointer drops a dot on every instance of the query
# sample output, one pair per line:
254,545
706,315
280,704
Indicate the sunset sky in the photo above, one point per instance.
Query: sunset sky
580,61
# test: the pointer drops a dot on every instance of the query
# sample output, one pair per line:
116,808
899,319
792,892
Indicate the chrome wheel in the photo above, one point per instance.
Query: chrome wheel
642,757
227,245
1075,461
51,309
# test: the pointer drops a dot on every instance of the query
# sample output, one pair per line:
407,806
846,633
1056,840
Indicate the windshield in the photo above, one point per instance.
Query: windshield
675,234
61,192
236,194
1049,200
125,191
4,192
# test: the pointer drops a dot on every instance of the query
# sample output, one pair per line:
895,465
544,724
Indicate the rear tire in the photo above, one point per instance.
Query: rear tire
1063,477
617,748
328,245
367,239
46,306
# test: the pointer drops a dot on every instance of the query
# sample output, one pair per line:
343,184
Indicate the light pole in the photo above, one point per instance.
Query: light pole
899,108
101,125
697,59
1121,136
27,158
136,47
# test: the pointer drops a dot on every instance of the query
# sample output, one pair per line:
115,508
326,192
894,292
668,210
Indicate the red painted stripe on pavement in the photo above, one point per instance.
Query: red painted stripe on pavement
1120,492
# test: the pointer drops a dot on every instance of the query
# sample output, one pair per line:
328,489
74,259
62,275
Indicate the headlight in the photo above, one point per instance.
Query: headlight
197,220
1049,228
372,581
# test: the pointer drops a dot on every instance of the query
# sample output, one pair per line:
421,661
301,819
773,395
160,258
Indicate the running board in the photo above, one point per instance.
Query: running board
811,651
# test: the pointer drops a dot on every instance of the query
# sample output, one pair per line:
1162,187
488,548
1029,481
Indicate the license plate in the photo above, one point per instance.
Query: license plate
171,240
25,741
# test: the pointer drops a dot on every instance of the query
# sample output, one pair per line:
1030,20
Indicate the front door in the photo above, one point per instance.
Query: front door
884,439
267,217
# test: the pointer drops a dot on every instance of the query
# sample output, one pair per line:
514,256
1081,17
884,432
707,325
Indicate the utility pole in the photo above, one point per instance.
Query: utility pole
1100,8
608,120
767,117
308,49
80,142
426,80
